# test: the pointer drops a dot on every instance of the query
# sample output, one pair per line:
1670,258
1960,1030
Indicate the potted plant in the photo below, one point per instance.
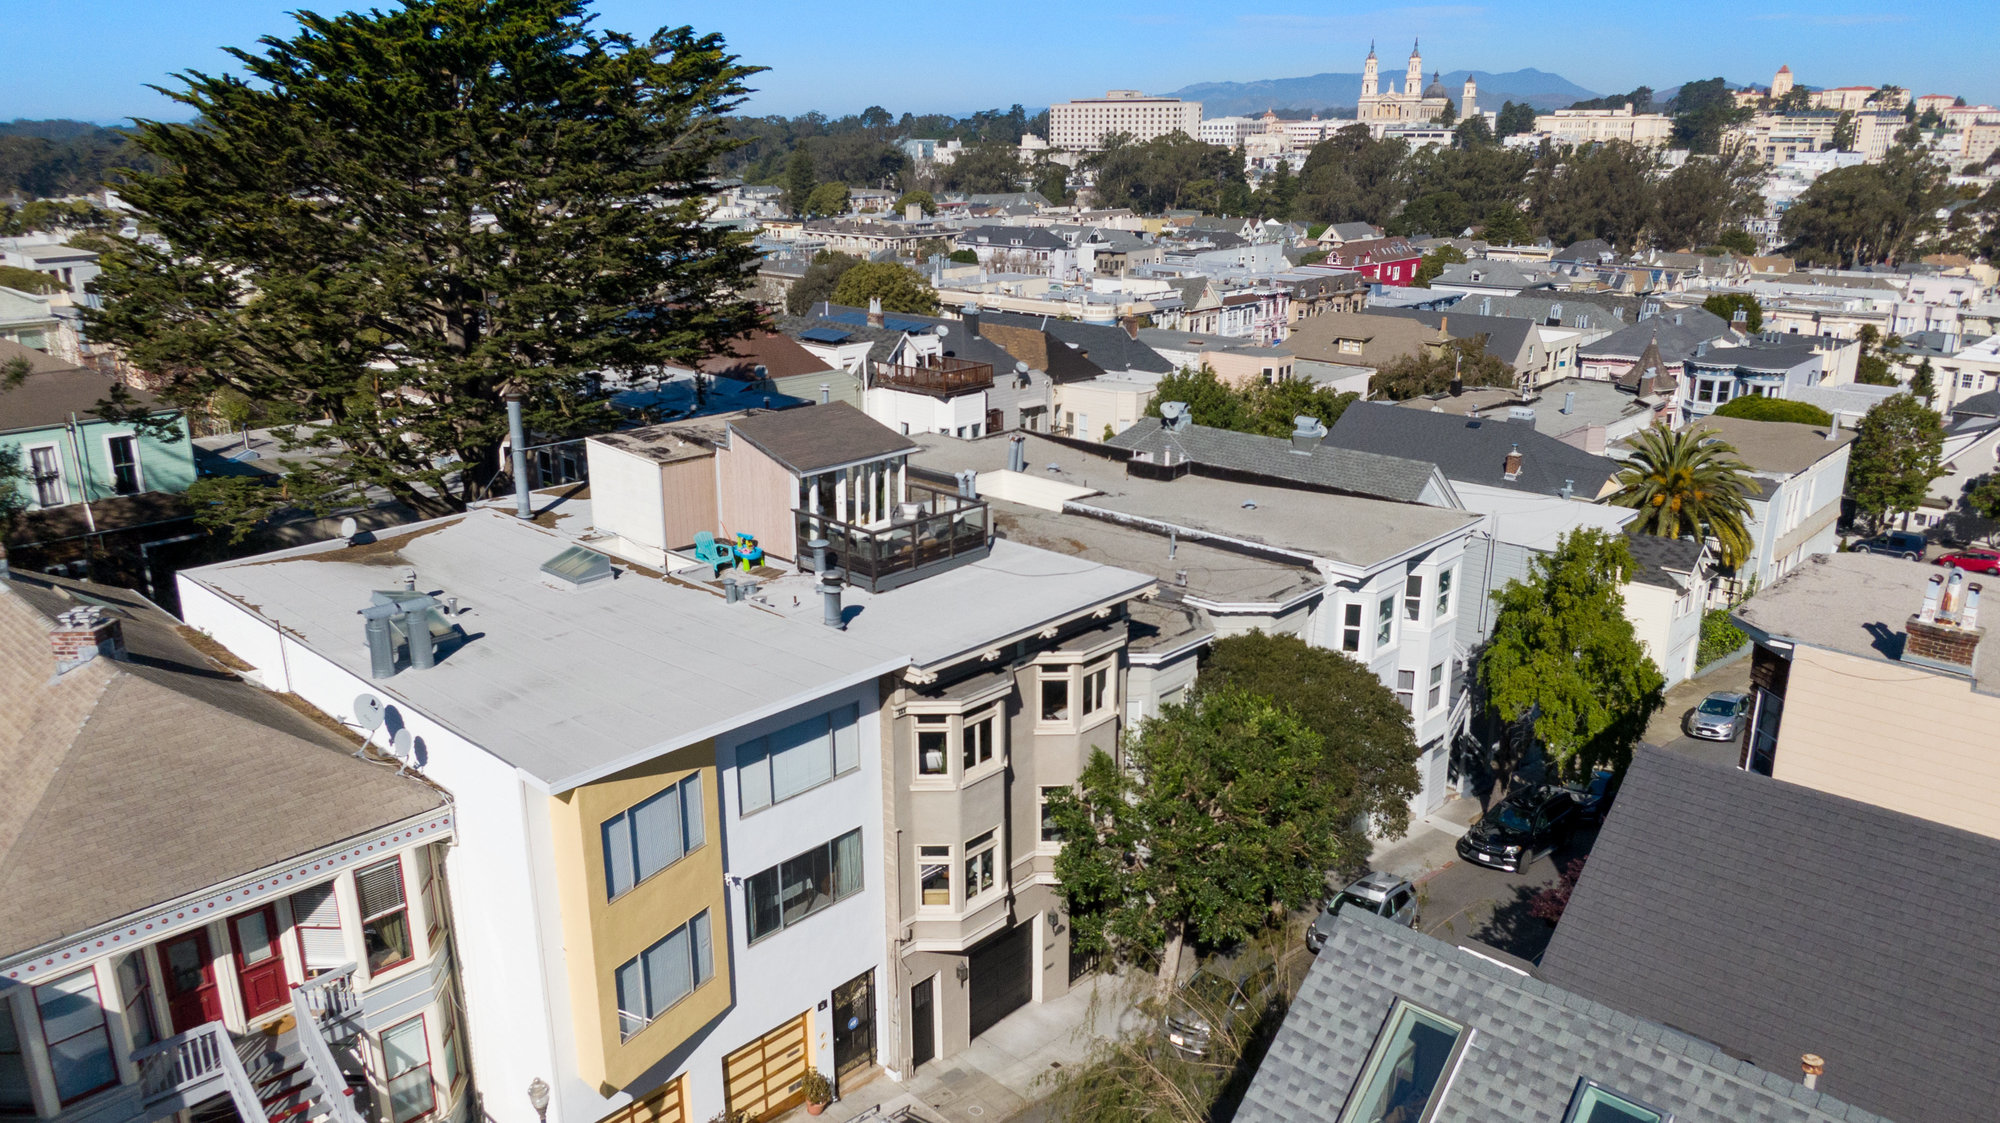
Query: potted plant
818,1090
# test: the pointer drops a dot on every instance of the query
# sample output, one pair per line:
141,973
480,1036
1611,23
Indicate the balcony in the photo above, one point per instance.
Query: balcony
939,375
937,530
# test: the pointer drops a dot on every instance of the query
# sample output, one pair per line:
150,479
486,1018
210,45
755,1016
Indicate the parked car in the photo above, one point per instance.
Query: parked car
1973,561
1719,716
1383,894
1593,796
1235,988
1907,543
1523,827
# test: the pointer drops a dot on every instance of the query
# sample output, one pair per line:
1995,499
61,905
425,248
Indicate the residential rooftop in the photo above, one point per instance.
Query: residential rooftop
1320,465
821,438
1595,403
1781,447
54,391
1472,450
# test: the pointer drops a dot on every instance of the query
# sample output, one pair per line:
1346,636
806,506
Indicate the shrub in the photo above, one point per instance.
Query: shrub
1718,637
1774,409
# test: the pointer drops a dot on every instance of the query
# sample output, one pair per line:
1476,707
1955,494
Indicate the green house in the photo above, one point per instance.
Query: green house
69,455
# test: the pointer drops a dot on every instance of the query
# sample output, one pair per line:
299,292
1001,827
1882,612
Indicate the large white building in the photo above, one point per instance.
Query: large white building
1596,126
1083,124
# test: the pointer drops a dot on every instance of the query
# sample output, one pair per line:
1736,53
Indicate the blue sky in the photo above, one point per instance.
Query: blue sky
92,59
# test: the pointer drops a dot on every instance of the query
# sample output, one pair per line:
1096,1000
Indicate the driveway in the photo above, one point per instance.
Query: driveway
1668,729
1473,906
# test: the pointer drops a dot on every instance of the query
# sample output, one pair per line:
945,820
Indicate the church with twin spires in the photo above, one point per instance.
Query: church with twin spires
1414,105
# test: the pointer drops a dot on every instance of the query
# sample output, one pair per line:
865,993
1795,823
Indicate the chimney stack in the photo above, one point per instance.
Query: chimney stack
913,212
82,634
1514,462
971,317
1833,428
829,598
514,390
825,393
1813,1065
1944,635
875,312
1307,432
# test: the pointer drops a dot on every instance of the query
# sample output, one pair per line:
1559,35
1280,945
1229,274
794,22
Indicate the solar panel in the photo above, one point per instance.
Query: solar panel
905,325
825,335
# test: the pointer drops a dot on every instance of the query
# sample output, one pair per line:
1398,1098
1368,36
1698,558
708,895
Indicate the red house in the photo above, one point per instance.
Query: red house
1391,261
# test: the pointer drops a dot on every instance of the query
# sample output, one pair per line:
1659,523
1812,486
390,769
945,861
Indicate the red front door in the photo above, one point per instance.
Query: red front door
190,975
260,966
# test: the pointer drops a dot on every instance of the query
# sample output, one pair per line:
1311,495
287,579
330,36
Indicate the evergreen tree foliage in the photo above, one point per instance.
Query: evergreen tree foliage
919,197
1564,651
1352,177
1703,197
1727,304
1869,213
1429,372
1595,191
828,200
1753,408
900,288
819,280
800,181
984,169
1434,263
1171,172
1898,450
394,215
1514,119
1688,484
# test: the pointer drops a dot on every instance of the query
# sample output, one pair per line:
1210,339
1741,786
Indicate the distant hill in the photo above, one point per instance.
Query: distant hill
1329,91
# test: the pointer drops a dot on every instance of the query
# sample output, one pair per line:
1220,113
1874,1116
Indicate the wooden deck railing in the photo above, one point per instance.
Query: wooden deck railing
942,376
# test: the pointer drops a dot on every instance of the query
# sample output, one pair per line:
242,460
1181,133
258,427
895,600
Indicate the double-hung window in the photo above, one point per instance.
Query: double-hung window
1436,696
316,916
79,1043
934,873
1051,834
1055,694
979,734
798,887
135,990
1096,691
1407,1069
652,981
1413,597
979,858
385,915
933,734
1444,592
1406,689
124,452
1385,620
16,1098
798,758
406,1058
652,835
1350,629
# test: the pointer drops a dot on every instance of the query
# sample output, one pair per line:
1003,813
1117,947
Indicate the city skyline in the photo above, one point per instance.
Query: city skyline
104,55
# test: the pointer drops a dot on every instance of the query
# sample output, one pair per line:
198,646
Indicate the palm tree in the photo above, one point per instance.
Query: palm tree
1689,484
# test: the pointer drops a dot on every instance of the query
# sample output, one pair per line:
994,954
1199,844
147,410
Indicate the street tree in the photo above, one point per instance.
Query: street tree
1898,450
1431,371
1687,484
900,288
800,180
1220,823
817,283
393,214
1434,263
1983,496
828,200
1563,651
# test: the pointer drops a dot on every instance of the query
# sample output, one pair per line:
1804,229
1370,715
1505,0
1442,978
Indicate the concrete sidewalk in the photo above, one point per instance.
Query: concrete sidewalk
1007,1069
1429,845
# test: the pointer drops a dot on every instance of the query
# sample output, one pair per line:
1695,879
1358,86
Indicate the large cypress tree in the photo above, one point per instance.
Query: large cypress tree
394,213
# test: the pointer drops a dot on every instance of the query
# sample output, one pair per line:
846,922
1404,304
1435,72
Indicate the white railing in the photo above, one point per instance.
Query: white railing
330,1000
187,1068
328,1011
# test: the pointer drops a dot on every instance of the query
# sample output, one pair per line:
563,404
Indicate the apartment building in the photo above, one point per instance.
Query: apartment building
699,767
1801,471
263,924
1601,126
1768,366
1081,125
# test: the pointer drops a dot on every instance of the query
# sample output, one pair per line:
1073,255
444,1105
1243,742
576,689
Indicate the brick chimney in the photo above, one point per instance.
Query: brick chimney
82,634
1944,635
875,312
1514,462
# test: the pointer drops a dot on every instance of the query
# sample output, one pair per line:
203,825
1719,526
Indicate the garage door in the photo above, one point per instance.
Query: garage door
763,1078
1002,975
667,1105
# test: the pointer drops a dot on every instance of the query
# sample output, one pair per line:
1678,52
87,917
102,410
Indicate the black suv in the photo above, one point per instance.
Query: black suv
1525,826
1903,543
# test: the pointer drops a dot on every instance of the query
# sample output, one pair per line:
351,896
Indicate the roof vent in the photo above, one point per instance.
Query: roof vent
578,566
1569,489
415,620
1569,401
1307,433
1522,413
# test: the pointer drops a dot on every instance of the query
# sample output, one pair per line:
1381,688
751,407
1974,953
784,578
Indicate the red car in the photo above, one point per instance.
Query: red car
1973,561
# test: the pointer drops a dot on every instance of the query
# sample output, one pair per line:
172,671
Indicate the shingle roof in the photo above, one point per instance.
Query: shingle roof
816,438
777,354
160,776
1013,237
1469,450
1108,345
1985,404
1776,920
53,390
1506,338
1531,1046
1676,341
1343,469
1658,559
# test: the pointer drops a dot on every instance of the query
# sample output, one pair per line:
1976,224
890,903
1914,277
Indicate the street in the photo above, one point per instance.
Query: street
1464,903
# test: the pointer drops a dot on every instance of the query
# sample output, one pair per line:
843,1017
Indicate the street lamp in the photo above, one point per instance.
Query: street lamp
538,1095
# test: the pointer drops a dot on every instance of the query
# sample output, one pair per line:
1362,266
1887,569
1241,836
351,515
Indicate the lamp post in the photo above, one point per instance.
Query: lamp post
538,1095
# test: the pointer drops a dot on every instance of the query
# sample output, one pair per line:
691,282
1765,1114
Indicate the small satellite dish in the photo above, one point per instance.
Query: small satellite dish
1021,367
349,528
942,331
368,712
400,743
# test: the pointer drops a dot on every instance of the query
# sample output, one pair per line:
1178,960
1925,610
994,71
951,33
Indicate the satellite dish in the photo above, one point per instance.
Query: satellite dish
400,743
1021,367
349,528
942,331
368,712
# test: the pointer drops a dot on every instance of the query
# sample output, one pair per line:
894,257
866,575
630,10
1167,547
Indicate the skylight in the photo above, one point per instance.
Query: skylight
1408,1069
578,566
1595,1104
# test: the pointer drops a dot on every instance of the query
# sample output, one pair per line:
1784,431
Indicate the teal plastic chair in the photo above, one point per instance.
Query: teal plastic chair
716,554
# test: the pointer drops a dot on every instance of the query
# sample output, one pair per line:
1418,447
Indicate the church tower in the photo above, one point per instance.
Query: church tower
1370,74
1468,102
1782,83
1413,82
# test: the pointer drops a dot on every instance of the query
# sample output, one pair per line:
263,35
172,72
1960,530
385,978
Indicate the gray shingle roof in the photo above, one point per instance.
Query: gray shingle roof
816,438
1468,450
1532,1044
1343,469
1979,405
1506,337
1109,346
1677,341
1658,559
1776,920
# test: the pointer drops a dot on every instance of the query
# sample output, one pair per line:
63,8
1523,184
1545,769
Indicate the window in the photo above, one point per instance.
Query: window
798,887
452,1072
1406,689
1967,380
798,758
934,871
1406,1069
1350,631
316,916
652,981
1055,696
1051,835
427,892
1413,597
1594,1104
135,990
652,835
1385,618
406,1057
1444,592
979,864
1436,695
79,1044
385,917
46,470
16,1098
932,734
979,739
124,464
1096,691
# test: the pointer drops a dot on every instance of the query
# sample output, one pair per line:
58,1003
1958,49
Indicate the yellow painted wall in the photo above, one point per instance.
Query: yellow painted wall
600,934
1898,737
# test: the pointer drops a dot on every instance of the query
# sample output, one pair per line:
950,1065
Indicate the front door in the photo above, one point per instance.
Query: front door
854,1025
260,966
190,973
923,1023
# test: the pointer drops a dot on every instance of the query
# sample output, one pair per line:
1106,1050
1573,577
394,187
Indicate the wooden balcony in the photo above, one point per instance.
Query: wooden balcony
941,376
936,531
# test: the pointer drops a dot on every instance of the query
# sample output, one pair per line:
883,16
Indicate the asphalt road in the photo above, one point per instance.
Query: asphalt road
1464,903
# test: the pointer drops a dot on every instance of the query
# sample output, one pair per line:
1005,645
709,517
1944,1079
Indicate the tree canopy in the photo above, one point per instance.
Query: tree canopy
1869,213
1169,172
1424,373
818,281
1753,408
1688,484
1564,651
900,288
1270,409
1727,304
1897,452
828,200
398,214
1352,177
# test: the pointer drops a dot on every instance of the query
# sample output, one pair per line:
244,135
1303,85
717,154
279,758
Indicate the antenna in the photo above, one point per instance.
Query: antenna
368,715
400,744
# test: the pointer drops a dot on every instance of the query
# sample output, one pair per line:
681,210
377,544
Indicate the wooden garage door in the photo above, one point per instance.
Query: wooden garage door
668,1104
763,1078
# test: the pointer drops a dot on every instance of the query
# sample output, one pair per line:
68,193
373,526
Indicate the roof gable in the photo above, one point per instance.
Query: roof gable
1472,450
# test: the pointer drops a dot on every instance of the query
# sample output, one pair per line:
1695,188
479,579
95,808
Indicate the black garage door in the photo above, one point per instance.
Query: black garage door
1002,975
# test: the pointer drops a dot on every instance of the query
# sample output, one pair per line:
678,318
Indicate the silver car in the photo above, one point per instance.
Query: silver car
1380,893
1719,717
